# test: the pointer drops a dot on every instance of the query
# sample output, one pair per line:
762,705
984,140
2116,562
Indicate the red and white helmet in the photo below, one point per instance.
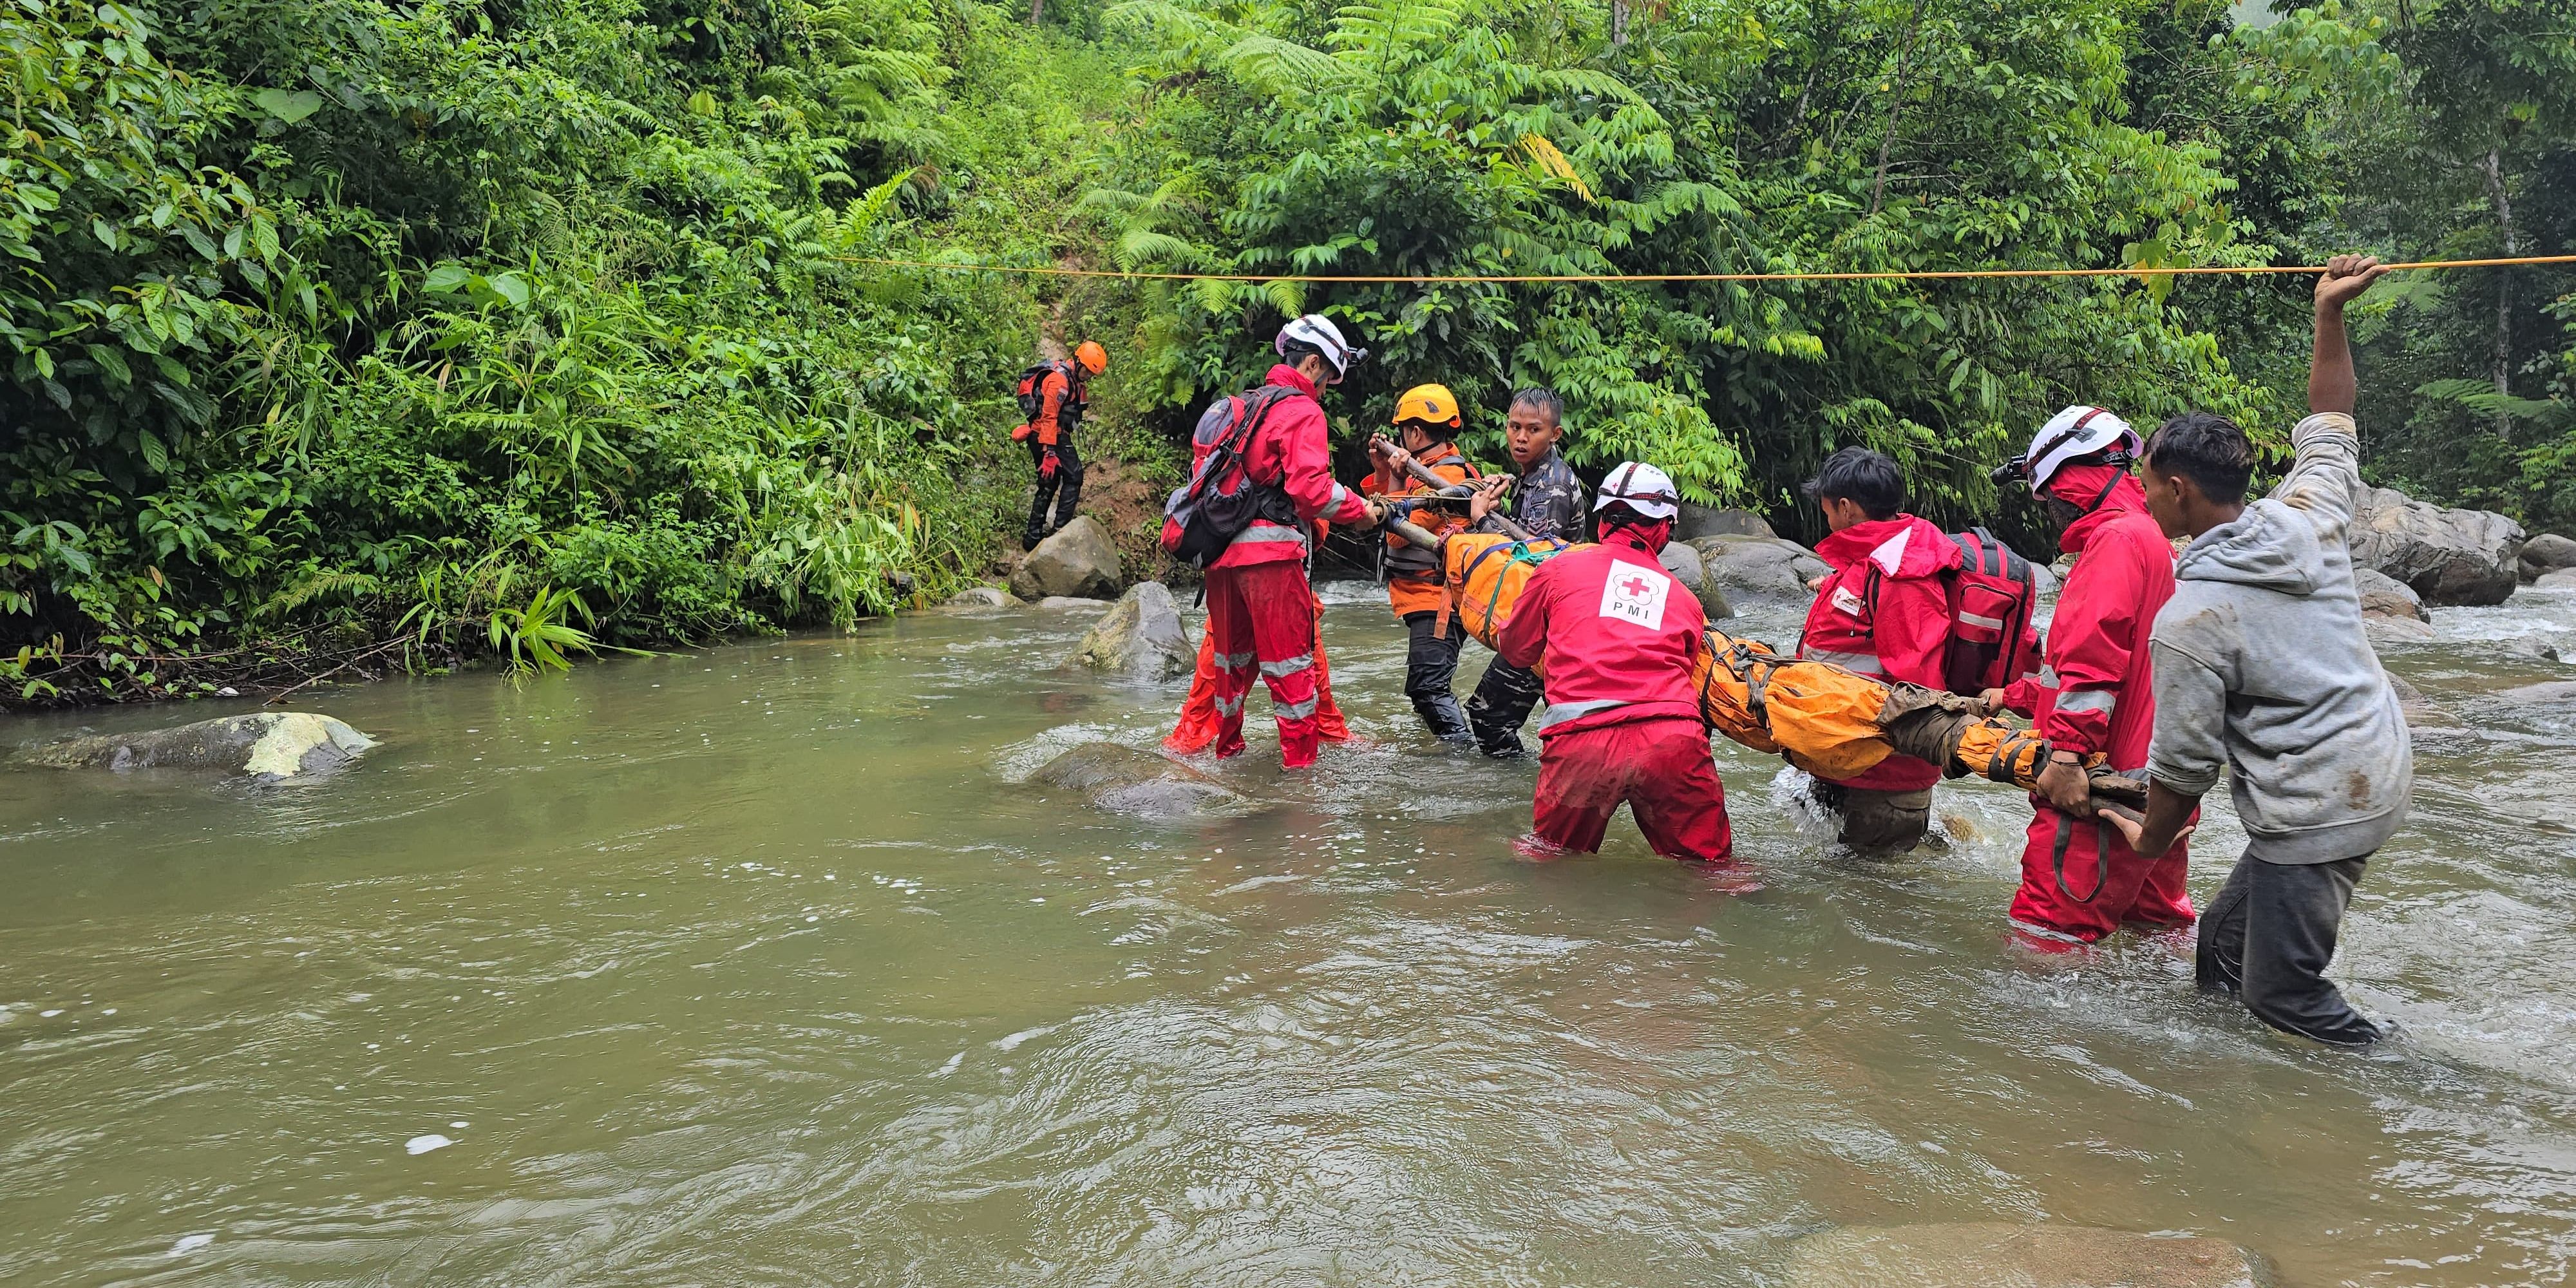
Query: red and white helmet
2069,435
1640,487
1317,332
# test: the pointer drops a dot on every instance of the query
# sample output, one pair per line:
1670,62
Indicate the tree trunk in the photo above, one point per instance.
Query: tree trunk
2494,168
1037,10
1895,105
1618,22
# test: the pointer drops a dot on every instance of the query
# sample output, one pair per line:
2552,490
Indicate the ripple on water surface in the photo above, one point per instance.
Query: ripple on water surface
766,964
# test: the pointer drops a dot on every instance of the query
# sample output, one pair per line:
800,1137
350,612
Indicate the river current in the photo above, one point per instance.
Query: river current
764,965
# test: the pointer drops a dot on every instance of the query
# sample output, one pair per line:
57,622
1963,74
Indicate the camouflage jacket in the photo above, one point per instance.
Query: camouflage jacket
1548,500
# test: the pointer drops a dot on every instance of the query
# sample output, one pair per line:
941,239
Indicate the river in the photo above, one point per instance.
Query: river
760,965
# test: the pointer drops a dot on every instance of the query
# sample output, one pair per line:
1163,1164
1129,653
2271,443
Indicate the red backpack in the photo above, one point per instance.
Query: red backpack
1992,595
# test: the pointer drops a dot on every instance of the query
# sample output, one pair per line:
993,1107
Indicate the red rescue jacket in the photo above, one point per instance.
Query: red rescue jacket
1292,451
1885,612
1616,635
2097,691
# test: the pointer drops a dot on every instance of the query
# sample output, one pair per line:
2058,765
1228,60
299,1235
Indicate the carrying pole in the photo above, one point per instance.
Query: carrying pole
1422,474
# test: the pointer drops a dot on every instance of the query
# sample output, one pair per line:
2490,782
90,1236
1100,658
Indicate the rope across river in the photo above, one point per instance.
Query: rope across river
1863,275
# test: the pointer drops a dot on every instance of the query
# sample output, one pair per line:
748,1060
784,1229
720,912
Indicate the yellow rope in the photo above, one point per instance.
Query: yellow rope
1889,275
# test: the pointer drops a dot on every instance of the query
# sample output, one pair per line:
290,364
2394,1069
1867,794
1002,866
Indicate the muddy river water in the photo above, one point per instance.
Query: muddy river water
763,965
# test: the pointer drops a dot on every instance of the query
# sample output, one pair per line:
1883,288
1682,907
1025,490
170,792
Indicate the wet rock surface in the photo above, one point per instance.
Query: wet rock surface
1141,637
2448,556
2563,579
2385,596
2000,1255
1124,780
2421,711
982,597
2545,554
1765,566
272,746
1079,560
1697,521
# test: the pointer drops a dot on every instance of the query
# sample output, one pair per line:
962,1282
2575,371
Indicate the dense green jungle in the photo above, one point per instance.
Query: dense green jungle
346,335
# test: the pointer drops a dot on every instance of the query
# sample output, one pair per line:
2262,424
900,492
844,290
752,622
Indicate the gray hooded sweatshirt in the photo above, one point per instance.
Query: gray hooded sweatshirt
2262,667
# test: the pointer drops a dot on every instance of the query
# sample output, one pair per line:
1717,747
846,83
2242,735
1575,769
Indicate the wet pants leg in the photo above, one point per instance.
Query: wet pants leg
2270,933
1068,497
1661,768
2081,881
1430,666
1262,619
1061,491
1502,701
1883,822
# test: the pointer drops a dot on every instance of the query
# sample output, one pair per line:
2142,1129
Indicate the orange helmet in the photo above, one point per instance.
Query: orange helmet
1093,358
1430,404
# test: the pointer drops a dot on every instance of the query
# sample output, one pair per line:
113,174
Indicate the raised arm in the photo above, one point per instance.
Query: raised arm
2331,384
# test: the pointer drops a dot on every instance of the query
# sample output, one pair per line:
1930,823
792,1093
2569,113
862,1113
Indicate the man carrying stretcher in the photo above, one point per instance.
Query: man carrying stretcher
1616,638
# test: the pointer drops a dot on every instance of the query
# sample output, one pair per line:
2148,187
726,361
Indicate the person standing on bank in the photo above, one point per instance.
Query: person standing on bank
2262,665
1054,395
1427,422
1547,501
2080,880
1884,613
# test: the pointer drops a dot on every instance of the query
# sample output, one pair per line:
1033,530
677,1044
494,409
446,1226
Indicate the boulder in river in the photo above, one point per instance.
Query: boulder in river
1769,566
2385,596
1989,1254
1141,637
1077,561
2563,579
1127,781
2421,712
1696,521
2448,556
2545,554
982,597
272,746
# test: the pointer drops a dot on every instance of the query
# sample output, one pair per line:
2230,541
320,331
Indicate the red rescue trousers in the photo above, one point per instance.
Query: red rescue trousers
2068,891
1199,723
1660,767
1261,618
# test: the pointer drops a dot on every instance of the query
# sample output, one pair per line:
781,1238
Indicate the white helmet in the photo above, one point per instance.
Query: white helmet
1640,487
1317,332
2070,434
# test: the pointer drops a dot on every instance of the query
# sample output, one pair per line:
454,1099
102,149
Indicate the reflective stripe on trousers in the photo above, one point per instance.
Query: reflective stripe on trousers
1558,713
1856,663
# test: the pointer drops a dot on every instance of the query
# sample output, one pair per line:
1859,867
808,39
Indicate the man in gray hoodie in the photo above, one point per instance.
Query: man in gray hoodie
2262,667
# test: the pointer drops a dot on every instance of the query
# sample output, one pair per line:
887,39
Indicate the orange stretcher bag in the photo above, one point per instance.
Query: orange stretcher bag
1487,574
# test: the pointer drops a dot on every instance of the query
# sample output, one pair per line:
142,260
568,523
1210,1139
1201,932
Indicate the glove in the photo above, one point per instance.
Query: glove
1047,463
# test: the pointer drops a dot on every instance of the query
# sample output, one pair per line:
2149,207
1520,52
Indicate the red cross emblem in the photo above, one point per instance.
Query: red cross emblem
1635,586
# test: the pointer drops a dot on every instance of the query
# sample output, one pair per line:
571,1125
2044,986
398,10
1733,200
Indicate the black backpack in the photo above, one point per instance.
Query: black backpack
1031,392
1206,514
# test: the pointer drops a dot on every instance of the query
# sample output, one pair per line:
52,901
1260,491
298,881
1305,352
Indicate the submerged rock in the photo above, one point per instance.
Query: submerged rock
1078,561
982,597
1127,781
272,746
2448,556
2000,1255
2421,712
1759,565
2563,579
1141,637
2545,554
2385,596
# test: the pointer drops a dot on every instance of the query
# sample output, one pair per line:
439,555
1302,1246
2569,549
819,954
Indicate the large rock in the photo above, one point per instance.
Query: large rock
1684,563
2385,596
1128,781
1999,1255
1696,521
272,746
2448,556
1077,561
2545,554
2563,579
1141,637
1759,565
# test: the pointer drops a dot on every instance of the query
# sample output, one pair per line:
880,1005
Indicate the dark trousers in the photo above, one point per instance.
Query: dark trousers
1875,821
1064,489
1502,701
2267,937
1430,663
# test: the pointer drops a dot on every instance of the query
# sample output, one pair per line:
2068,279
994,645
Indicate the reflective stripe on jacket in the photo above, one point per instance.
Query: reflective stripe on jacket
1884,612
1617,635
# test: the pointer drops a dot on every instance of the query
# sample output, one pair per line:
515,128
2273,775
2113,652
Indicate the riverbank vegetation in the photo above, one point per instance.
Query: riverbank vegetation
346,334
